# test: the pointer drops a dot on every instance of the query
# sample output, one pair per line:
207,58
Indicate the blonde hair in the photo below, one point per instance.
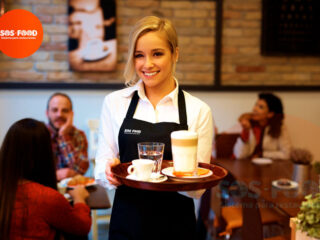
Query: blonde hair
143,26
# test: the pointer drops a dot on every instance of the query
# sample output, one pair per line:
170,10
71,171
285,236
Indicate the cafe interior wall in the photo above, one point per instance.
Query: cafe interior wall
241,62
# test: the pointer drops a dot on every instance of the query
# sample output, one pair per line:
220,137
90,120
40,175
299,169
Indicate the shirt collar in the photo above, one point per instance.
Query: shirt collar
52,130
173,96
130,90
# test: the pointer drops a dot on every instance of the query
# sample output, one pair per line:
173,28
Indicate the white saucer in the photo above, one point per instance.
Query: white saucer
169,172
262,161
293,185
154,180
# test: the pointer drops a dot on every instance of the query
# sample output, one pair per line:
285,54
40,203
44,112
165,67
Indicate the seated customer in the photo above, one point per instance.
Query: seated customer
30,205
263,132
69,144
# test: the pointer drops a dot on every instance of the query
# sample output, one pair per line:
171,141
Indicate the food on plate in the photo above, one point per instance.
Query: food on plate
80,180
200,172
284,182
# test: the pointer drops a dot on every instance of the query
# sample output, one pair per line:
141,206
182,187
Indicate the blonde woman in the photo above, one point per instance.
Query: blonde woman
154,104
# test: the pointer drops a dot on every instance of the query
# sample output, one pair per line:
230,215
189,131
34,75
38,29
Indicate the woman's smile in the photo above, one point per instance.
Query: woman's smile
154,62
150,74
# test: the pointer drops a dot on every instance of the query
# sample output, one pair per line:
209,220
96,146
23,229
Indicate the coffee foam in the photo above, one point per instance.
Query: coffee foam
184,134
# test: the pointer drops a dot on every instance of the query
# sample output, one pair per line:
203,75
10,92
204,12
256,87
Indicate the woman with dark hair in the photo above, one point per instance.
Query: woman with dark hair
30,205
263,132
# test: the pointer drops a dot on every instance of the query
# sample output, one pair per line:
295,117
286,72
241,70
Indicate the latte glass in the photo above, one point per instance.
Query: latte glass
184,152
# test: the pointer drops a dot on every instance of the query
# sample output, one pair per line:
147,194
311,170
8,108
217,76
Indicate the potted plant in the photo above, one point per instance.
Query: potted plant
308,219
301,159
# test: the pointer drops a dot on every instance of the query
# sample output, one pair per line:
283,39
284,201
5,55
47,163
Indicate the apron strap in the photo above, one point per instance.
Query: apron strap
133,105
181,107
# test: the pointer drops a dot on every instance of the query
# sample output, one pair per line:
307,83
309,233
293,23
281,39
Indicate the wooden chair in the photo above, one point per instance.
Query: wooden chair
237,216
224,144
250,218
93,125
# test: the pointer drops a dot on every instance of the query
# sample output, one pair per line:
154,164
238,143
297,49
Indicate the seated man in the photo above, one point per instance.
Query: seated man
69,144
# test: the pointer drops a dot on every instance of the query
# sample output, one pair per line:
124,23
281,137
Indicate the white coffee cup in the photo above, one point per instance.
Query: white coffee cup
93,49
184,146
141,168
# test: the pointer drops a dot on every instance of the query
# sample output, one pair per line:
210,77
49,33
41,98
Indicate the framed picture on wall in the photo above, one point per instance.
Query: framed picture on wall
92,35
290,28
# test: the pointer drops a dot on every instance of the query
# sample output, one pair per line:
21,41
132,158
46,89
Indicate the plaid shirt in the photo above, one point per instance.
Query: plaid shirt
70,151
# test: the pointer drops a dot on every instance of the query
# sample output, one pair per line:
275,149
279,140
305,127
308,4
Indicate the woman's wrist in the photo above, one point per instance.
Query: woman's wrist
79,200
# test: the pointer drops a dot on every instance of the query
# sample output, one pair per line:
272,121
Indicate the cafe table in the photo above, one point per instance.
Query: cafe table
98,198
258,179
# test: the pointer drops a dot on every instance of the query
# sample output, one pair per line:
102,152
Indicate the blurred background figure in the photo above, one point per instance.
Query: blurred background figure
30,205
69,144
263,131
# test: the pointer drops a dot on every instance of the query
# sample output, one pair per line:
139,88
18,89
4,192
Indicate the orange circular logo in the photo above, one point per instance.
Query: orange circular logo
21,33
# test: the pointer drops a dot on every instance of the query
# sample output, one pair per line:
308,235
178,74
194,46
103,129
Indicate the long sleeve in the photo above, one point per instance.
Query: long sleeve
107,142
40,211
275,148
279,149
59,214
74,149
244,148
205,135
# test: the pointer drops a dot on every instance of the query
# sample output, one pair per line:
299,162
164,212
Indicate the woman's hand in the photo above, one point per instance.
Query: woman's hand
111,163
244,120
79,194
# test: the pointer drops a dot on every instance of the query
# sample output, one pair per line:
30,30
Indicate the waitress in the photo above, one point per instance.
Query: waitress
154,105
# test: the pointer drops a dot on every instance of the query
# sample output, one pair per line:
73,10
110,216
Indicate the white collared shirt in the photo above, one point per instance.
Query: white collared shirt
115,107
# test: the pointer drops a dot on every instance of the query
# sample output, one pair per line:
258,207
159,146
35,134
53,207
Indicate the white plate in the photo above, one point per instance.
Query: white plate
293,185
262,161
169,172
64,183
154,180
87,56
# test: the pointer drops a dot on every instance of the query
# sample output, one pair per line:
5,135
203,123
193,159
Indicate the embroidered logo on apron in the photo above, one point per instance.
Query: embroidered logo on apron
132,131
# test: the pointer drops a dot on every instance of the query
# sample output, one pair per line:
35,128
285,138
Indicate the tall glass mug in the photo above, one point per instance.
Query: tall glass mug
152,151
184,152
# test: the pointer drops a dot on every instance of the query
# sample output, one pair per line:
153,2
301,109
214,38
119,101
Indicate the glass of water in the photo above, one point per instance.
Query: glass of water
152,151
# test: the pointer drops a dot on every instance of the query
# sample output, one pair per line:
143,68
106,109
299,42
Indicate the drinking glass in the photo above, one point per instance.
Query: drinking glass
152,151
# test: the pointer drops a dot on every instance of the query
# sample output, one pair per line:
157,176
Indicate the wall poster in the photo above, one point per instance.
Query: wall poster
92,35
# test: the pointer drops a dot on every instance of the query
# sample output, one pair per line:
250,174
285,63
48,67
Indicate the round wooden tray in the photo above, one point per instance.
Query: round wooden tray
172,184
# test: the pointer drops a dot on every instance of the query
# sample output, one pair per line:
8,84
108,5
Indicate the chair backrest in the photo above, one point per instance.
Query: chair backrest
93,125
224,144
304,134
251,219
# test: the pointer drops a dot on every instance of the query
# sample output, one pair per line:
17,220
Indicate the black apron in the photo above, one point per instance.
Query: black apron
143,214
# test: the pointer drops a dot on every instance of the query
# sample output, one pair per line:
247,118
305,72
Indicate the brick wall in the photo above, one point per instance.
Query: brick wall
242,63
195,23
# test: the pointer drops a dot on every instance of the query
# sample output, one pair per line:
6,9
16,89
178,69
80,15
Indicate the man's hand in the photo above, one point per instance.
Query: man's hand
65,173
66,128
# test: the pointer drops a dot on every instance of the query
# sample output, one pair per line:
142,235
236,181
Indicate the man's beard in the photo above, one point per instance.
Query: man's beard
52,125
